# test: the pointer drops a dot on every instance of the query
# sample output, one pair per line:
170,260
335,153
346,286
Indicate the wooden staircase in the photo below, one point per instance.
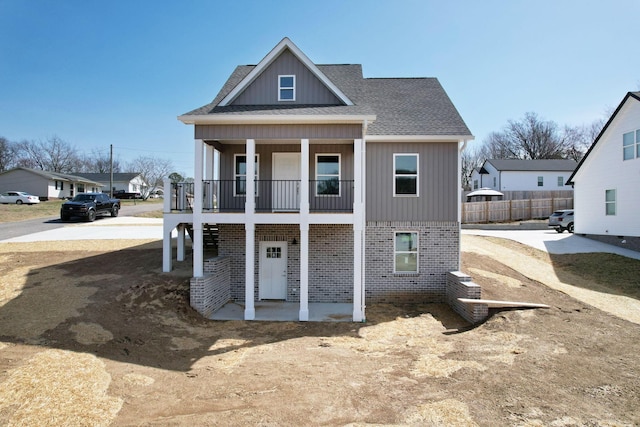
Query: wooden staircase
209,236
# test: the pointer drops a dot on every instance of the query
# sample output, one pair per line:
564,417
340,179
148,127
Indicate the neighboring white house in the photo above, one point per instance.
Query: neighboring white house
523,175
44,184
607,180
128,182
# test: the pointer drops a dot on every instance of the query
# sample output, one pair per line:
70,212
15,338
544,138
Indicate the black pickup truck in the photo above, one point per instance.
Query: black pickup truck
89,206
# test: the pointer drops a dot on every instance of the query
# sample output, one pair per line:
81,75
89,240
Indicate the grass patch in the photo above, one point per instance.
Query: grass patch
13,213
615,273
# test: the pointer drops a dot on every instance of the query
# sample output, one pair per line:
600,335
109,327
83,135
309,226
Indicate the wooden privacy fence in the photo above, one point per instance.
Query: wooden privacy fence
512,210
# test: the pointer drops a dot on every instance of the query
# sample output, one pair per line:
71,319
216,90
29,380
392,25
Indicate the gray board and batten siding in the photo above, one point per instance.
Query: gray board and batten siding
438,180
264,89
278,131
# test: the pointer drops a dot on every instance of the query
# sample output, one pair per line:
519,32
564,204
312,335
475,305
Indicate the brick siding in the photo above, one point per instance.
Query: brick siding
212,291
459,285
438,254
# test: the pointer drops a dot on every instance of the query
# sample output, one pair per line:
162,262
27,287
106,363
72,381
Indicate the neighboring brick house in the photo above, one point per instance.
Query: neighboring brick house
355,184
523,175
607,180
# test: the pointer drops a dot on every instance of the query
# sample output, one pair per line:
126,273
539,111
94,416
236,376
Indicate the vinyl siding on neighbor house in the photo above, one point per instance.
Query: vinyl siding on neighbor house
308,88
438,180
604,169
22,180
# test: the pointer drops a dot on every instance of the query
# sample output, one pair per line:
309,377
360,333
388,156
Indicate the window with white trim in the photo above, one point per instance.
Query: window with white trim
560,181
405,175
540,181
631,145
610,201
405,252
287,88
240,174
327,174
475,184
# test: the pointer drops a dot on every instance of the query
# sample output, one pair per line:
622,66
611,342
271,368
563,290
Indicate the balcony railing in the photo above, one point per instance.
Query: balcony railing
270,196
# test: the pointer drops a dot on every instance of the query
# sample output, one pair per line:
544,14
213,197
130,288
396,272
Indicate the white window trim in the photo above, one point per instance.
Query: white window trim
280,87
339,175
396,251
614,202
540,182
560,181
236,175
417,175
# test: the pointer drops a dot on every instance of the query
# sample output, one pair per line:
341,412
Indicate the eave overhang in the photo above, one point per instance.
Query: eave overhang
418,138
273,119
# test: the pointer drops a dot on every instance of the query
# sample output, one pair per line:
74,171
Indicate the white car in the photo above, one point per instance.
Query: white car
18,198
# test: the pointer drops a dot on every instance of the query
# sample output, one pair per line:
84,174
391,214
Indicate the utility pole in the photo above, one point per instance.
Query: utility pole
111,171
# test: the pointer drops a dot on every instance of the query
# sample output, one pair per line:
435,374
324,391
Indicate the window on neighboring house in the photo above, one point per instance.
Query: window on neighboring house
56,183
628,145
406,252
540,181
560,181
327,174
475,184
495,182
610,201
286,88
240,174
80,188
405,175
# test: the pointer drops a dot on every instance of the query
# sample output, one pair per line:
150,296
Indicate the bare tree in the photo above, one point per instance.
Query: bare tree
471,158
99,162
8,154
54,155
152,170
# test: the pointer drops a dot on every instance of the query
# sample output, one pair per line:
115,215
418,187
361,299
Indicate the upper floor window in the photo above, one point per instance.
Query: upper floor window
405,175
610,202
475,184
631,145
240,174
286,88
540,181
327,174
495,182
560,181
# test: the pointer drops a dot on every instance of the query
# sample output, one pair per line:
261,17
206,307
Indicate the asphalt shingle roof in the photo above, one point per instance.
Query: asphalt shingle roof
403,106
105,177
550,165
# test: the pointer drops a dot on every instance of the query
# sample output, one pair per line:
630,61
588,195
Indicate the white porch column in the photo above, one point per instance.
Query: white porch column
209,162
249,280
167,254
180,255
304,272
304,178
250,204
358,231
198,259
166,202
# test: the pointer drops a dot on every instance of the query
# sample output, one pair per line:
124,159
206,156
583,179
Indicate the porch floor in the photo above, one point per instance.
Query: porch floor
282,311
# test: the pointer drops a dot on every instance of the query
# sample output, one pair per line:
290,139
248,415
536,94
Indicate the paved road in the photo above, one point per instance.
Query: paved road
22,228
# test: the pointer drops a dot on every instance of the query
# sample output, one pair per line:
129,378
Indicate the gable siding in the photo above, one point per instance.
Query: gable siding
438,179
604,169
264,89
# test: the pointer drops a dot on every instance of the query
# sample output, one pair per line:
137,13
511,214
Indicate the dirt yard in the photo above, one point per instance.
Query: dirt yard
104,338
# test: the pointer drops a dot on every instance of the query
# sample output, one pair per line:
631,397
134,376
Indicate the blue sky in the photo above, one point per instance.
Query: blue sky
119,72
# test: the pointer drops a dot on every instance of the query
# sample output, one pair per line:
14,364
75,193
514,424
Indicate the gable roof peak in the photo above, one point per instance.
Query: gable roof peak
284,44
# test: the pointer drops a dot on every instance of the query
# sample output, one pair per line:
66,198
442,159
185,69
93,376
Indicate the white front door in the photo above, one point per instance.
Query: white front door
286,182
273,270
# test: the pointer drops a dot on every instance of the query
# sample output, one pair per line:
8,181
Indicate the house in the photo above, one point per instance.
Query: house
607,180
522,175
324,186
127,182
45,184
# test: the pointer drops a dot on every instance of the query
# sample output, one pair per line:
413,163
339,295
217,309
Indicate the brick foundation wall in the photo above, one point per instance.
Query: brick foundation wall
331,263
212,291
459,285
439,253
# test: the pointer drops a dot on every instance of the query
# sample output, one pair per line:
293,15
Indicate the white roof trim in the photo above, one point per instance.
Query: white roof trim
267,60
273,118
418,138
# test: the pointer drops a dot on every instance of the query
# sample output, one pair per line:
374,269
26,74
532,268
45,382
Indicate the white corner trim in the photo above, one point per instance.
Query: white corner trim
271,56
